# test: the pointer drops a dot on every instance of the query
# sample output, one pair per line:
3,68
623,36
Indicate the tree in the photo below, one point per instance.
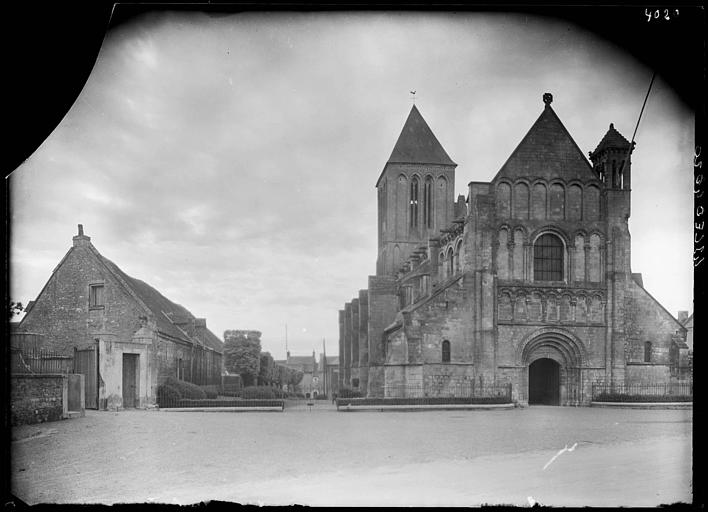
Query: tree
15,309
295,378
282,376
265,373
242,351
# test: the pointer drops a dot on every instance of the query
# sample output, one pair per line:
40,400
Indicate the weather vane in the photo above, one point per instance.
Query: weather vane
413,96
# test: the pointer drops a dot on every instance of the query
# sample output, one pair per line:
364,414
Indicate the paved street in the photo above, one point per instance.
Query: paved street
322,457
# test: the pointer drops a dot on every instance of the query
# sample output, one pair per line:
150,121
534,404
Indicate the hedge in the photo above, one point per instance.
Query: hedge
183,389
167,394
186,403
251,392
211,391
348,393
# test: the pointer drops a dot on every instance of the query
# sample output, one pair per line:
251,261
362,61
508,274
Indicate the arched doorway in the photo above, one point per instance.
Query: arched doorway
544,382
552,361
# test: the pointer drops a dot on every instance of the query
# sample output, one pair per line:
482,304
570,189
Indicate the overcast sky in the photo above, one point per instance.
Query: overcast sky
230,162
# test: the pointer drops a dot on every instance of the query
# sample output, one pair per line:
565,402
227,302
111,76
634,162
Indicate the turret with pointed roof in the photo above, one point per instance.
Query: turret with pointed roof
612,159
416,193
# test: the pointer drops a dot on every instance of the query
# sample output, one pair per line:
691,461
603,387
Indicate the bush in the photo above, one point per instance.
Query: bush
167,395
185,389
321,396
348,393
211,391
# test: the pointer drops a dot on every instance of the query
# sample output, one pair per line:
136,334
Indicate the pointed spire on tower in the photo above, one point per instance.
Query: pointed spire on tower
417,144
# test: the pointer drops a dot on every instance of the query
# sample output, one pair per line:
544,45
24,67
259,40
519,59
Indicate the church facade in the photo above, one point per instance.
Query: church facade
526,281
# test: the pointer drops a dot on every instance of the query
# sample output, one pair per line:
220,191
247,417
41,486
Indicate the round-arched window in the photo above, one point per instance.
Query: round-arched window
445,351
548,258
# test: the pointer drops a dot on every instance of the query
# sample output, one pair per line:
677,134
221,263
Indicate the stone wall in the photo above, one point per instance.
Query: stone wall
37,398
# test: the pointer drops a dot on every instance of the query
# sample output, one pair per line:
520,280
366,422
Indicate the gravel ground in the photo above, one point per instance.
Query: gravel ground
324,457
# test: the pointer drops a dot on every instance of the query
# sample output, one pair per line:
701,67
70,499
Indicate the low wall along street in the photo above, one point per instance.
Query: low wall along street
36,398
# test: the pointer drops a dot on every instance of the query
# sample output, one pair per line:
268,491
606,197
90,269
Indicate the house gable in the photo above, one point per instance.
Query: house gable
62,311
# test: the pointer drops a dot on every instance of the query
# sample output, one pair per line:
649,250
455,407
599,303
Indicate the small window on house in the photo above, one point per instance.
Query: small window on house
96,296
445,351
647,352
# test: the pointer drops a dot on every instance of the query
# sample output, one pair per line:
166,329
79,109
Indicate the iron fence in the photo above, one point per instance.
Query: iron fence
419,394
676,391
457,390
182,394
39,361
221,401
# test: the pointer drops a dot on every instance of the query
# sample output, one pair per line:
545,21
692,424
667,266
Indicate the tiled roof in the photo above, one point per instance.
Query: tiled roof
612,139
209,339
417,144
547,151
167,313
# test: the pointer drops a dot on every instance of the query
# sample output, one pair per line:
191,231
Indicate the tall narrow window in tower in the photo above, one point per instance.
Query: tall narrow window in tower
428,198
647,352
548,258
450,262
445,351
458,257
414,202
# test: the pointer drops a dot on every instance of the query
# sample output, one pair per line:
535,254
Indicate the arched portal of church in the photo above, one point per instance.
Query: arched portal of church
544,382
552,362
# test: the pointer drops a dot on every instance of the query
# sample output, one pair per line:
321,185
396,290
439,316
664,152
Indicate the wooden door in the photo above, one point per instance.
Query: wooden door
544,382
86,363
130,380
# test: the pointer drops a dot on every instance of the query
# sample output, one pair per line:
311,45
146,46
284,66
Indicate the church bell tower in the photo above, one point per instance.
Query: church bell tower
415,194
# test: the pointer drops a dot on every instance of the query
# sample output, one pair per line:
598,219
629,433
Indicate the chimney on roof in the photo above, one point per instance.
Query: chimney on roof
200,323
682,316
81,239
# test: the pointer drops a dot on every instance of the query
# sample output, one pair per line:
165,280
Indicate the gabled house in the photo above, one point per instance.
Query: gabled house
125,336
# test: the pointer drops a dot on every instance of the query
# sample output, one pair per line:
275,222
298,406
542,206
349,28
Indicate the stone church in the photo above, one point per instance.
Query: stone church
526,281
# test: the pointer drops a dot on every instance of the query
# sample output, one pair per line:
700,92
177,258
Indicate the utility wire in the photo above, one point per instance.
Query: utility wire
631,144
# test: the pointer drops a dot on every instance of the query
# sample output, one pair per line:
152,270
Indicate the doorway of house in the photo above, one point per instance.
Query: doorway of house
130,380
544,382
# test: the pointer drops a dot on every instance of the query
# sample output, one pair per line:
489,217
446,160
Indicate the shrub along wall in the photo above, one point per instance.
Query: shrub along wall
36,398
